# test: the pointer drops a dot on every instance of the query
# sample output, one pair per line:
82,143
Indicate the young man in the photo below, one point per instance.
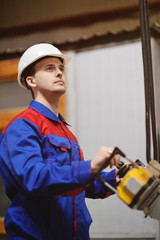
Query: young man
41,161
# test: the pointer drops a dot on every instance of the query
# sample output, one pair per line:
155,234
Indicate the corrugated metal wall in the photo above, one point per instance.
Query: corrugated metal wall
106,107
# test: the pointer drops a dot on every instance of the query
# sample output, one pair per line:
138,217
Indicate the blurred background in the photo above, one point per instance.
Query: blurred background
105,101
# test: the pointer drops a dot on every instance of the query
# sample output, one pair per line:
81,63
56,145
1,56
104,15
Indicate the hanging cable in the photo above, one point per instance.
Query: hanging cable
148,81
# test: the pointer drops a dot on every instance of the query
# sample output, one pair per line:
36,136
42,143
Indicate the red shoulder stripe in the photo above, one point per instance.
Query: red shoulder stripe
44,125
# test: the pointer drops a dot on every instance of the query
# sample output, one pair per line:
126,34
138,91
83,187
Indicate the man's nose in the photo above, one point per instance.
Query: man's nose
59,72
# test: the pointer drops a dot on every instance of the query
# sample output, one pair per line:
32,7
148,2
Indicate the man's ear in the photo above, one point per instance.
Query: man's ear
31,81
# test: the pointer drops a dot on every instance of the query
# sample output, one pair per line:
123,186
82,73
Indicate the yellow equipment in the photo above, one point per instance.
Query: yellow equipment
139,187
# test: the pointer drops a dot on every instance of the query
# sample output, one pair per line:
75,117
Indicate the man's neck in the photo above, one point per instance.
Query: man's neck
53,104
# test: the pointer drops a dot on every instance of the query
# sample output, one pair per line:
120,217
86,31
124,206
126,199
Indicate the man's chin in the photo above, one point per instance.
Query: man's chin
60,91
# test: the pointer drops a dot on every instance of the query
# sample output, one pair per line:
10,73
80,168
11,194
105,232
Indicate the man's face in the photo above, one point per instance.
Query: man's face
49,76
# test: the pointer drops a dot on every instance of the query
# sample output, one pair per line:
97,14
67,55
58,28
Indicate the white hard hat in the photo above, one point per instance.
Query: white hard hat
36,52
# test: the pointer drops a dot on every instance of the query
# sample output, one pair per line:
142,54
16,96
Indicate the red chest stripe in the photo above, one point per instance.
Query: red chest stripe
44,125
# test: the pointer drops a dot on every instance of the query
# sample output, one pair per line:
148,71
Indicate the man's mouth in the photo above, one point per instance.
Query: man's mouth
59,82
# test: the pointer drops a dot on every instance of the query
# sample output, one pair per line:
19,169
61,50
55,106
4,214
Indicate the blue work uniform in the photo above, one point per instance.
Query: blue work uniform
46,178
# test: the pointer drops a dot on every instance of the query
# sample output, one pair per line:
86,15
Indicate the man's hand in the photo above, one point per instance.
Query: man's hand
100,158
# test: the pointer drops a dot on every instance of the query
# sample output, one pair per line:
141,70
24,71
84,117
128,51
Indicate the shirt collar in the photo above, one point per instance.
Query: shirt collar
42,109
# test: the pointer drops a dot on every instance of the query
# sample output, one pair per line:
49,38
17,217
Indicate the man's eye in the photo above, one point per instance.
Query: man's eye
50,69
62,69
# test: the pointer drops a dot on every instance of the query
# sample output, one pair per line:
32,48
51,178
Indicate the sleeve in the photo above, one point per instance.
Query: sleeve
97,190
27,169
